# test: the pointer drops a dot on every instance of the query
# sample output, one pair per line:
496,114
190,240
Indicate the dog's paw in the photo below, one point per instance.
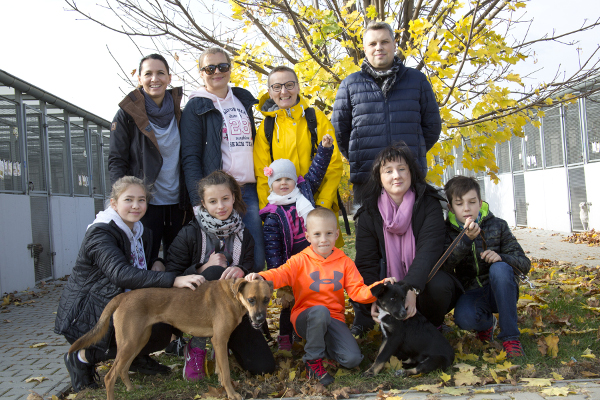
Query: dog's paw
368,374
400,372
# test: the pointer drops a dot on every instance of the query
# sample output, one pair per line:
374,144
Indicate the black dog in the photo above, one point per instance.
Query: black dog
415,341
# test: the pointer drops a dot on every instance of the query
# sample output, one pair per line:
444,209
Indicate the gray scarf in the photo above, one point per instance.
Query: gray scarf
163,115
388,77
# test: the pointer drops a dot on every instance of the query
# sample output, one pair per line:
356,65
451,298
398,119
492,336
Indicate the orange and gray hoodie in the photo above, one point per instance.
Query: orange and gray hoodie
321,281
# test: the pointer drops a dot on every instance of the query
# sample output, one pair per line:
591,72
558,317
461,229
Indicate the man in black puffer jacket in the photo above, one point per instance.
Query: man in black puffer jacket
484,261
382,104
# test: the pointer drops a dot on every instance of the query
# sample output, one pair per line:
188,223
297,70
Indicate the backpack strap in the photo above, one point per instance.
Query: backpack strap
269,127
311,121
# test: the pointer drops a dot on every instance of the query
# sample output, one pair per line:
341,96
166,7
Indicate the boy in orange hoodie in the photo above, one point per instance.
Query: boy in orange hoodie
318,276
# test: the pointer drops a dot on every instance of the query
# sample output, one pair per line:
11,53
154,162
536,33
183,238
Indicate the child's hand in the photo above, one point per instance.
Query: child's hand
217,259
472,228
189,281
254,277
158,266
490,256
327,141
232,273
391,280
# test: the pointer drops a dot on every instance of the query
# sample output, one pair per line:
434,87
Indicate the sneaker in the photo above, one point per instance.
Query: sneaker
83,376
488,334
284,343
513,348
359,330
193,369
315,369
148,366
176,347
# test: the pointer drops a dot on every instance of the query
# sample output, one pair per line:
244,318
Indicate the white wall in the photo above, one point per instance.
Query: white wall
547,193
16,264
592,172
501,199
70,217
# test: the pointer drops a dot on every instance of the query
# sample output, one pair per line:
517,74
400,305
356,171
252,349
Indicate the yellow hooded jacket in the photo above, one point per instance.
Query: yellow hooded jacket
291,140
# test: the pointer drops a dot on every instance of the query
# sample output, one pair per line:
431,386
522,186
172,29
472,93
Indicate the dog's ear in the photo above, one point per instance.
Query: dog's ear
270,283
238,285
377,289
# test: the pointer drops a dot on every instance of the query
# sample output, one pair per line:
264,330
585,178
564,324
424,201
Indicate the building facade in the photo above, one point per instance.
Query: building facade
53,180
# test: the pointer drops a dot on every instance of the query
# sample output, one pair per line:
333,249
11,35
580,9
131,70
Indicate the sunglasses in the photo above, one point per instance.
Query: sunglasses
276,87
210,69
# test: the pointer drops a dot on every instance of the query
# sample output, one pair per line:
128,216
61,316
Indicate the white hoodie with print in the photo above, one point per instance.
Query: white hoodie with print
236,142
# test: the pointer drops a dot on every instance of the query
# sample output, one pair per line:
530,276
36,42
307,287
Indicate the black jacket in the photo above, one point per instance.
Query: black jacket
365,122
185,252
428,229
102,271
465,261
133,145
201,135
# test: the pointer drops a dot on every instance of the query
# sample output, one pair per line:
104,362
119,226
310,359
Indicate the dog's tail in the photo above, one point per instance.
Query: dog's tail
101,327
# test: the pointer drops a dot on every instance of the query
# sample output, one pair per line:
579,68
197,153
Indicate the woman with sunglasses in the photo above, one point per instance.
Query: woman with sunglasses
217,132
291,138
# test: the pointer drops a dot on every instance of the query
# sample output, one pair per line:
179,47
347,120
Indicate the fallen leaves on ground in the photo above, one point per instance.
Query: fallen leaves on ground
591,238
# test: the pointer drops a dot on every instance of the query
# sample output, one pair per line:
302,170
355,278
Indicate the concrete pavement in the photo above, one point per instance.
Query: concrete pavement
22,326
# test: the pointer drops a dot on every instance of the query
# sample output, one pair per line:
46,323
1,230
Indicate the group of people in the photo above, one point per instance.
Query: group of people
224,199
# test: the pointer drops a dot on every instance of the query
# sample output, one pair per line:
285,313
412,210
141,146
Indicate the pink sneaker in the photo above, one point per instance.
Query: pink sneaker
193,369
283,343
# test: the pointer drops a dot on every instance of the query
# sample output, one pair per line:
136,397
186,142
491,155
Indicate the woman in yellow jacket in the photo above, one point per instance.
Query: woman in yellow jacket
292,138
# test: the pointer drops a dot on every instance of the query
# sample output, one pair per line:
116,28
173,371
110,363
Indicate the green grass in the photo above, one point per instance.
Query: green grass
553,309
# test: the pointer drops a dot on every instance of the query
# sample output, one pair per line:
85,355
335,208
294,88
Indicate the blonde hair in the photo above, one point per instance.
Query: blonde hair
321,212
123,183
213,50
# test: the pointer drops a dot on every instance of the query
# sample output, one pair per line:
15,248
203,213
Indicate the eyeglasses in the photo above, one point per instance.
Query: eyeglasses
210,69
276,87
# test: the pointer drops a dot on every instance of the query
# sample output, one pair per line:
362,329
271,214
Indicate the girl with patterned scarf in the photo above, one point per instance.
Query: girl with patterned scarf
217,245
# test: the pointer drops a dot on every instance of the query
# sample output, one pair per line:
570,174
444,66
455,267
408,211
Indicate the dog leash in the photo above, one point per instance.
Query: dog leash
453,245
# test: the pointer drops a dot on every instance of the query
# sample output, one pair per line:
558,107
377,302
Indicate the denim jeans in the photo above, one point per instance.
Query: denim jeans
254,224
475,307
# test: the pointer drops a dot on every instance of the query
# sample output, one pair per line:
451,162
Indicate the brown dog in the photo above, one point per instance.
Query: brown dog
214,310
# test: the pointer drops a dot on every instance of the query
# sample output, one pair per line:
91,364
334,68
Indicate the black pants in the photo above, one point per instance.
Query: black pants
247,344
159,339
165,222
437,300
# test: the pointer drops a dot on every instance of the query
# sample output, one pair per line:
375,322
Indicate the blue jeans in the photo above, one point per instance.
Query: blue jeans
474,308
254,224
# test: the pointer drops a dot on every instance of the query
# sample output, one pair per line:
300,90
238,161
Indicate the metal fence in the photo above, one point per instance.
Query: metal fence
63,154
569,137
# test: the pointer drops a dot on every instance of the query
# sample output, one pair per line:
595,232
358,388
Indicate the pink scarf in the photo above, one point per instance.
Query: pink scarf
398,233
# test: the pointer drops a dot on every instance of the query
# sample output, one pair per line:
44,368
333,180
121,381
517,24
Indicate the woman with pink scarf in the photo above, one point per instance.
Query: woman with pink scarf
400,232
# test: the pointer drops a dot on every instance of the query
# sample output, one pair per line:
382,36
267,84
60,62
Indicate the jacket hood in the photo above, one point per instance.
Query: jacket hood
485,212
104,217
333,258
202,92
269,108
